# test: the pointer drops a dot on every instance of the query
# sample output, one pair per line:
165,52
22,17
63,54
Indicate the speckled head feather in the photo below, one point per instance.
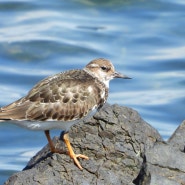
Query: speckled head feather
104,70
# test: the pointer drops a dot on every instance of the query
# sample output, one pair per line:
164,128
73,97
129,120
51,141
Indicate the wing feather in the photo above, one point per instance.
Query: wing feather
58,97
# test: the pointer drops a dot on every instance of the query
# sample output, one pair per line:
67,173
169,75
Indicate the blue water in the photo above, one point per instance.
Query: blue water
144,39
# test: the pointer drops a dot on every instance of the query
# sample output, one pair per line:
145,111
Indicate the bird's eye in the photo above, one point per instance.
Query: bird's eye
104,68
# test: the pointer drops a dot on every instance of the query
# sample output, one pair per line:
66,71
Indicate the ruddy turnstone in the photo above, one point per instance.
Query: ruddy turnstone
62,100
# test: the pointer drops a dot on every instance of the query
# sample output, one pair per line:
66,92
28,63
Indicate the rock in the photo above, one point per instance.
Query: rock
164,163
177,140
123,150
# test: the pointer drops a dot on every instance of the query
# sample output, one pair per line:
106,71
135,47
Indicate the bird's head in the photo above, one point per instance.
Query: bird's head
104,70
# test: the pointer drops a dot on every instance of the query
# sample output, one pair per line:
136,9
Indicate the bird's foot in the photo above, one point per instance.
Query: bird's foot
71,152
75,156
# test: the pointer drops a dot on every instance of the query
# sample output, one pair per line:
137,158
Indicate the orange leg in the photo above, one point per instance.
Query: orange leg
52,147
70,149
71,152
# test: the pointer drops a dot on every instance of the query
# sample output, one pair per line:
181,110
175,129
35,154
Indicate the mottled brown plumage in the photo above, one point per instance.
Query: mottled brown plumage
62,97
62,100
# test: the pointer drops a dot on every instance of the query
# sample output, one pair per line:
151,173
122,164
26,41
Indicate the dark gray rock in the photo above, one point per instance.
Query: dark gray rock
123,150
165,161
166,165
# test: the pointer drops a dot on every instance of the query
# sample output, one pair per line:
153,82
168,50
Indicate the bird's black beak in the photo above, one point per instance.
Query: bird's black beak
119,75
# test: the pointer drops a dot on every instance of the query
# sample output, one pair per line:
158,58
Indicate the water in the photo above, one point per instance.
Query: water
144,39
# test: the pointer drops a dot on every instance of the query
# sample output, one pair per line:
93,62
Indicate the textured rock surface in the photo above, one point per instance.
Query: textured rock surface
123,150
165,162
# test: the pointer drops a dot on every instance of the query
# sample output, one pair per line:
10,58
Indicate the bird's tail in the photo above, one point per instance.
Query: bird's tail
3,116
12,111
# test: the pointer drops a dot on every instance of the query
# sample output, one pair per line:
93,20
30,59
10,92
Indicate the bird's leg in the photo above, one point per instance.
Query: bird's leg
71,152
70,149
52,147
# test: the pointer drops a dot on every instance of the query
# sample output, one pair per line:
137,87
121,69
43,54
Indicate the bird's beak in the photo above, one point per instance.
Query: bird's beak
119,75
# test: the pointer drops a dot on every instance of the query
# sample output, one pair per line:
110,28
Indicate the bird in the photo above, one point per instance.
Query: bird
62,100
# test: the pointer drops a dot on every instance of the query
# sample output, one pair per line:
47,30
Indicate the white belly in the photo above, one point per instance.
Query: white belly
45,125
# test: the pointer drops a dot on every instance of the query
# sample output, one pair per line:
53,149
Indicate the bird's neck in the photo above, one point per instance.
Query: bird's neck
102,80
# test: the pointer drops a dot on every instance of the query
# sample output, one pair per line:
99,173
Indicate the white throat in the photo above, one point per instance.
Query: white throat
105,81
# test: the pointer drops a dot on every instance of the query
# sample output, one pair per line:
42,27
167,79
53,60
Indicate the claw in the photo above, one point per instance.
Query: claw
75,156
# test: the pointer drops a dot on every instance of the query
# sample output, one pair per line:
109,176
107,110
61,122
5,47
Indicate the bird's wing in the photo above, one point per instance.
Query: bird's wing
56,98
